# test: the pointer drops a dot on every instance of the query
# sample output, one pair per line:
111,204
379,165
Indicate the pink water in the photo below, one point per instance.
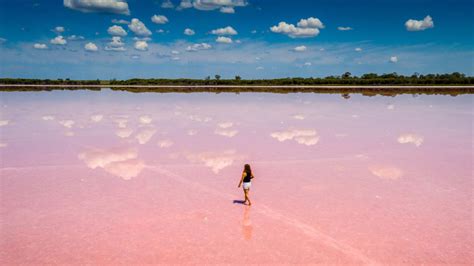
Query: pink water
116,177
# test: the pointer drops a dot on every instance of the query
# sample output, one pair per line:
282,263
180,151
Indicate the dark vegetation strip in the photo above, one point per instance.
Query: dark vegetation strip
410,83
345,79
344,91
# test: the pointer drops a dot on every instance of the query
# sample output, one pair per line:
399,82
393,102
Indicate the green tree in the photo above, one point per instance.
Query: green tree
346,75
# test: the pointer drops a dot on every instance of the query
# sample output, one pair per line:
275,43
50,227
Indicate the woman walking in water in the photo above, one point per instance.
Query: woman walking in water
246,177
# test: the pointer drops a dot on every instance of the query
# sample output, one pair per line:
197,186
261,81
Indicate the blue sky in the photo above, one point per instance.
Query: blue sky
251,38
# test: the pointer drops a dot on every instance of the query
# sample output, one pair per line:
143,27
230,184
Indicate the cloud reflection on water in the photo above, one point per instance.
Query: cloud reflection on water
96,118
121,162
48,117
386,172
306,137
124,132
166,143
145,135
67,123
414,139
298,117
145,119
215,160
121,122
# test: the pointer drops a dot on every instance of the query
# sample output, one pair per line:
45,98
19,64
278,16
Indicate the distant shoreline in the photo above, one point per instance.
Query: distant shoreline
241,86
344,90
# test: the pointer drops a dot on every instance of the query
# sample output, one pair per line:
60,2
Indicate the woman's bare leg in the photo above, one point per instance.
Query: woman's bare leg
246,192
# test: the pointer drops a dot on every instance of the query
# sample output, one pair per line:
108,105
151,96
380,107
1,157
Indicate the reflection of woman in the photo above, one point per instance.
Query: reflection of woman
245,180
247,227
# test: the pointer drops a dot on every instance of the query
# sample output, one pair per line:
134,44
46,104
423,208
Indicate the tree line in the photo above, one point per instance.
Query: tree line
347,78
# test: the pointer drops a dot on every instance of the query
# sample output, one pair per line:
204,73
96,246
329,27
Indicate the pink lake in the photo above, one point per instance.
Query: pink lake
91,177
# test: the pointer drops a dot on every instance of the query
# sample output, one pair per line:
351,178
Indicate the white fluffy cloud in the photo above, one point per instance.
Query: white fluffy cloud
198,46
227,10
344,28
91,47
59,29
305,28
414,139
301,48
189,32
4,122
139,28
310,23
167,4
59,40
185,4
393,59
40,46
75,37
118,162
224,31
306,137
115,45
105,6
222,39
120,21
419,25
358,49
116,30
141,45
159,19
224,6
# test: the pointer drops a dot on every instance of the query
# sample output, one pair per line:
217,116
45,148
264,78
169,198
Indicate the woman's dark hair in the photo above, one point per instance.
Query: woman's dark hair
247,169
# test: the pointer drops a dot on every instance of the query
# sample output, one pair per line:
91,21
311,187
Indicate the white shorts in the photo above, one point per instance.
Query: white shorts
247,185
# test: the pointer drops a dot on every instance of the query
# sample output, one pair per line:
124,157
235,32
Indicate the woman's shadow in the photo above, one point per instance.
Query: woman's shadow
239,202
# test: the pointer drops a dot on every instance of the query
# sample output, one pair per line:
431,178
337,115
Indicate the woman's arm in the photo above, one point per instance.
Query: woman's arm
242,179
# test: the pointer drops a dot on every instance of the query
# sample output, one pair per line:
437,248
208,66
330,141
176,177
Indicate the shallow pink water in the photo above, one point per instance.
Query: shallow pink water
111,177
